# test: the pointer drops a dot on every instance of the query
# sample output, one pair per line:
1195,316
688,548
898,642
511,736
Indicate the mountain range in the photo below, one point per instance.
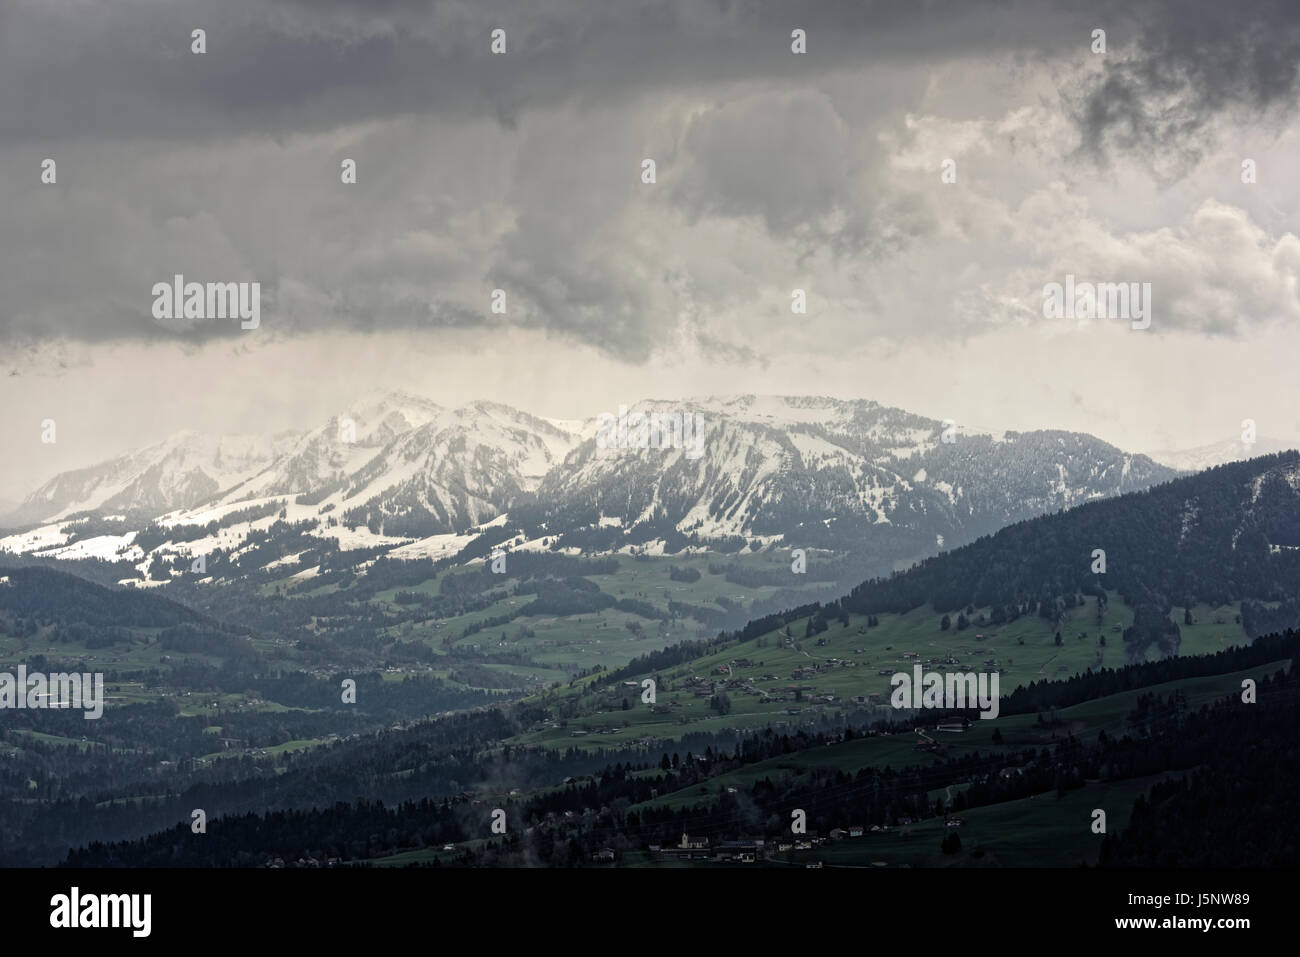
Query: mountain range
399,473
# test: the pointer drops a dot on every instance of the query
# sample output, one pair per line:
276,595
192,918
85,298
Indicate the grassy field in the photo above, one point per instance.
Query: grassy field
425,855
1038,831
1018,732
846,661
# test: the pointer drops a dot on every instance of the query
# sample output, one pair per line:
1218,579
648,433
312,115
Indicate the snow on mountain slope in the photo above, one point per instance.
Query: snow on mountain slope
399,471
323,458
183,470
775,466
459,469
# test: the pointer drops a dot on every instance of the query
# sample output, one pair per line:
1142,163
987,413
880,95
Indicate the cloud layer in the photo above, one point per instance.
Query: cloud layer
521,172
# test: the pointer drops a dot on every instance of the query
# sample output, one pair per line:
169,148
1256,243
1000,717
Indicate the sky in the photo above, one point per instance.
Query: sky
522,171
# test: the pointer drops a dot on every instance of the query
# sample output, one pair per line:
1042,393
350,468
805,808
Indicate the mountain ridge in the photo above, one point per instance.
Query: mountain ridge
395,470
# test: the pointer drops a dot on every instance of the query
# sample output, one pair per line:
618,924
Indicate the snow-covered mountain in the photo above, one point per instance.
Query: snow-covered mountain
461,468
321,460
1218,453
182,471
398,471
834,473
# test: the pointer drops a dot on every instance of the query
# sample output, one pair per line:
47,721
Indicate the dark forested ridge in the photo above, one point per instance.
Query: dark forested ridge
52,597
1228,533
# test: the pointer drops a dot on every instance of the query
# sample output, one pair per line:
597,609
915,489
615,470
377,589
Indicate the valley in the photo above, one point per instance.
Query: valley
614,695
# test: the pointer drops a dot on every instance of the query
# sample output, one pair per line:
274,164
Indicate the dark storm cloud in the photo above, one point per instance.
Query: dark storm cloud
1193,62
115,94
124,69
479,171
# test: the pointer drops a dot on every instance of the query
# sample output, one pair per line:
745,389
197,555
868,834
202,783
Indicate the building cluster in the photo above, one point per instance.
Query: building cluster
748,850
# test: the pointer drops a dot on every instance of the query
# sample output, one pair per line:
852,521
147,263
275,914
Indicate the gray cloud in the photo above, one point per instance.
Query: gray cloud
521,172
272,66
788,160
1183,65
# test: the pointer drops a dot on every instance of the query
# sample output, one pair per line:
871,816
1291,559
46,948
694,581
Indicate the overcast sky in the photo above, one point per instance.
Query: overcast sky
774,171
